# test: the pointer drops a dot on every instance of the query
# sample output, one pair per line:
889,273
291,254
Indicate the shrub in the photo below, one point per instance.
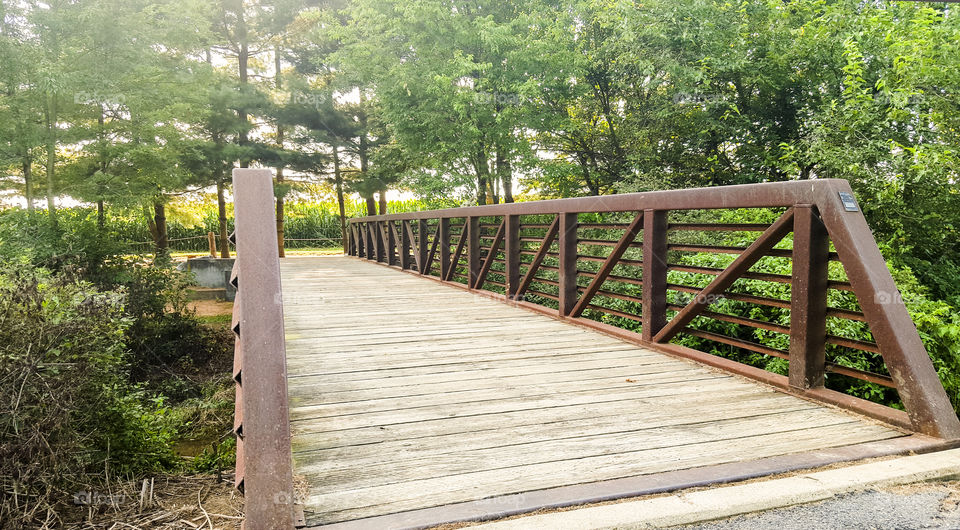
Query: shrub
68,406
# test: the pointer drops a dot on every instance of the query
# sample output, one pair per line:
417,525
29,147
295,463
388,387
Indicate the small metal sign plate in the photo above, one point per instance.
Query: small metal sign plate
849,203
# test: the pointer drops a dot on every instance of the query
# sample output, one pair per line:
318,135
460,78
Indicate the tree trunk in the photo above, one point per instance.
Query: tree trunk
28,183
51,123
243,58
371,205
151,224
280,215
338,180
222,219
383,202
277,68
505,173
480,167
160,220
481,190
102,166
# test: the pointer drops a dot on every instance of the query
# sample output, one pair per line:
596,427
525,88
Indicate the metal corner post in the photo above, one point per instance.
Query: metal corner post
264,459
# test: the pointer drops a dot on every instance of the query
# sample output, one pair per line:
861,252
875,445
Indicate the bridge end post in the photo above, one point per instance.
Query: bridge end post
904,354
264,456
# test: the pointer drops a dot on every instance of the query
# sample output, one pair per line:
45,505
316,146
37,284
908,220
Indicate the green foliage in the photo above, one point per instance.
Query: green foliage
80,243
70,405
96,347
939,325
936,320
221,456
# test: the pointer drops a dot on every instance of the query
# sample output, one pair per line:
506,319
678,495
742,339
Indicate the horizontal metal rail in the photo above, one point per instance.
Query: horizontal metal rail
489,253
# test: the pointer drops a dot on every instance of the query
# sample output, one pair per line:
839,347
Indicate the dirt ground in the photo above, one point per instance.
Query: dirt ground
211,308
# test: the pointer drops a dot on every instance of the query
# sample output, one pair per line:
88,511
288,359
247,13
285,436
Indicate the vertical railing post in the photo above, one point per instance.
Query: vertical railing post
473,249
511,252
378,241
391,243
264,463
567,240
348,241
368,237
444,247
654,299
423,246
357,240
405,244
808,298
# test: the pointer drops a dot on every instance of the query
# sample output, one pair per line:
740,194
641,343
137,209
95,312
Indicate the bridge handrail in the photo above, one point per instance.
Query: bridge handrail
817,212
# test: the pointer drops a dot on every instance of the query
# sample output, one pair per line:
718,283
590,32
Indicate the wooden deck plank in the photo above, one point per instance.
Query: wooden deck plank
531,403
339,476
408,394
488,374
378,389
350,504
626,419
308,408
326,434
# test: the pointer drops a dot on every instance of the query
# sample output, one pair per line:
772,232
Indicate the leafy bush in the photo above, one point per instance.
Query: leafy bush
161,332
68,405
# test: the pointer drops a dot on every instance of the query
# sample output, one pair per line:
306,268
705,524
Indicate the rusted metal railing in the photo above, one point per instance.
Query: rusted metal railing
571,257
261,424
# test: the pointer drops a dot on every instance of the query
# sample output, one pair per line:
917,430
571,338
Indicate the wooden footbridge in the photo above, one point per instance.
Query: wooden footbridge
473,363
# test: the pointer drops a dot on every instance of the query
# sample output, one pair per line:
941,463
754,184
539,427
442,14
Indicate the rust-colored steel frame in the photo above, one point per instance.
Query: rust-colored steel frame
815,212
261,421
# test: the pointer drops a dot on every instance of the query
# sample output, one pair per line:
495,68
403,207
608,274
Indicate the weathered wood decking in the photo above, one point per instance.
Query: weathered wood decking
407,394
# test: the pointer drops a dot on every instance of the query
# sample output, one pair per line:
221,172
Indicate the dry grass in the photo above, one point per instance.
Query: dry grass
164,502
